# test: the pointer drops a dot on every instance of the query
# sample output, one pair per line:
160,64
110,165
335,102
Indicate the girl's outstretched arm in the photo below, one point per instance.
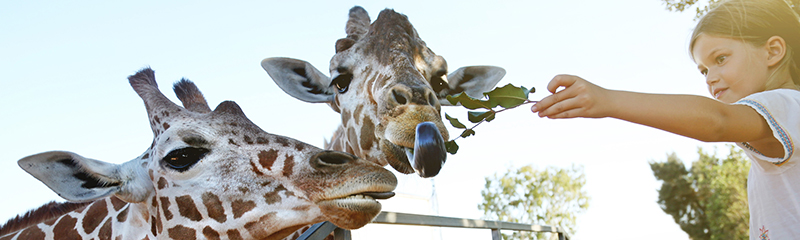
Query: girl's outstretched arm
692,116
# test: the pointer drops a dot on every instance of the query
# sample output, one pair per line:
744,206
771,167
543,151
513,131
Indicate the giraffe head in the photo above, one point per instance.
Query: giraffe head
389,88
215,173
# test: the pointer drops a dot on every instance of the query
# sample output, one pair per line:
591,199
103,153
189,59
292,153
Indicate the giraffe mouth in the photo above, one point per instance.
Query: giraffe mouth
354,210
428,154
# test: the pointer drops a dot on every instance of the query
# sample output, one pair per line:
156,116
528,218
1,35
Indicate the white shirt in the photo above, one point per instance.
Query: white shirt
773,185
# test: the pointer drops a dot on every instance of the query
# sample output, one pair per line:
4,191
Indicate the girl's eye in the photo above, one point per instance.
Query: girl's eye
704,72
720,59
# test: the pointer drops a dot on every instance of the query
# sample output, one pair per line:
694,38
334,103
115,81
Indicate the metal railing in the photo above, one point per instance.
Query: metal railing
321,230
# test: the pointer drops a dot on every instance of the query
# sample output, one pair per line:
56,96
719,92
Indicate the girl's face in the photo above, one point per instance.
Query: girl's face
733,68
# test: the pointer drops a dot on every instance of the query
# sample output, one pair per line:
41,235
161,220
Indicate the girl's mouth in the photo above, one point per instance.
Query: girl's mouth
718,93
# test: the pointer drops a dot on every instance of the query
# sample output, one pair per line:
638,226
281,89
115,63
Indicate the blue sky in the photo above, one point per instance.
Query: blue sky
64,67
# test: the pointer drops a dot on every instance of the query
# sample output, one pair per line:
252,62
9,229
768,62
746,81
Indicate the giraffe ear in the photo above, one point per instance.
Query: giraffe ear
473,80
80,179
299,79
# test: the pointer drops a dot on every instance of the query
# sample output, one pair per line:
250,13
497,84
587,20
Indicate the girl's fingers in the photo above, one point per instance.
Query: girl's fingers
558,108
548,101
572,113
561,81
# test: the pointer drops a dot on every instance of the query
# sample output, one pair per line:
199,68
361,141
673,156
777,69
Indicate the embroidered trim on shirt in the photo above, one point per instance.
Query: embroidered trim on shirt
784,138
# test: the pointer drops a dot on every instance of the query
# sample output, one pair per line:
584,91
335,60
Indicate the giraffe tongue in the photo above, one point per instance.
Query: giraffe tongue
379,195
429,152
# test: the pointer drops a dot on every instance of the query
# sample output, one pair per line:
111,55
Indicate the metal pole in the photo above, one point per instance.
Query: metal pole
496,234
318,231
341,234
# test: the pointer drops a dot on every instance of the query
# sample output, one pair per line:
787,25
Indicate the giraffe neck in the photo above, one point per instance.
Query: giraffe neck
101,219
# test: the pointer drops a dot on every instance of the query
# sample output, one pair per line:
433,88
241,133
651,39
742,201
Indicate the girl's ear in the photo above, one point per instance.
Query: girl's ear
776,48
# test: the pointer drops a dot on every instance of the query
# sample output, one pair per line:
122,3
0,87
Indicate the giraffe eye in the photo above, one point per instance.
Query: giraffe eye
184,158
342,82
438,83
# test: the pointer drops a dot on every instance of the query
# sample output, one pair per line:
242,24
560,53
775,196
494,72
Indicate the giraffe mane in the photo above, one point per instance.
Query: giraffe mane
46,212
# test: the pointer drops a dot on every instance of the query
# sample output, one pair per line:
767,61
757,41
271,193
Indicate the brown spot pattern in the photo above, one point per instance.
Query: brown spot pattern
302,208
153,228
182,233
256,228
345,116
288,165
210,233
240,207
367,134
357,112
352,140
272,197
230,141
214,206
165,208
166,126
283,141
31,233
255,168
10,236
299,147
146,155
162,183
123,215
94,216
187,208
159,224
234,234
117,203
267,158
248,140
65,228
262,140
105,231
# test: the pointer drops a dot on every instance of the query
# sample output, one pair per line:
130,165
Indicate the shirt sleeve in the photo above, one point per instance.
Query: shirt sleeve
781,109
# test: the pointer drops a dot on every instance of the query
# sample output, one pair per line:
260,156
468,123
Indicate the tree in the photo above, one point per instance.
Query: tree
552,196
702,9
708,201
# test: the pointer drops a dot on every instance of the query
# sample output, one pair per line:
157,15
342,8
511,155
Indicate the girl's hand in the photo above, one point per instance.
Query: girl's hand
579,98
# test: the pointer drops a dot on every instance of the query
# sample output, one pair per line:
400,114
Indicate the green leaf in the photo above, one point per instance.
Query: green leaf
490,117
451,147
508,96
477,116
454,122
469,102
467,133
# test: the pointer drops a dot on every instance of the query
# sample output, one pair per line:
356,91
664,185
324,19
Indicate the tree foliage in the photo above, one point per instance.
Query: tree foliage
553,196
702,8
709,200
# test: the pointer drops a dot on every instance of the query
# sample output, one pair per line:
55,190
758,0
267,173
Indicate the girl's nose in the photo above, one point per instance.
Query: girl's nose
711,79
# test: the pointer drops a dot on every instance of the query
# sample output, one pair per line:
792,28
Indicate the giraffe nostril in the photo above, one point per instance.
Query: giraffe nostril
432,99
334,158
399,98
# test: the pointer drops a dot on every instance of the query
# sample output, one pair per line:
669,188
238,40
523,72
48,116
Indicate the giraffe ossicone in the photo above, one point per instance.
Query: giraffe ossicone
207,175
387,85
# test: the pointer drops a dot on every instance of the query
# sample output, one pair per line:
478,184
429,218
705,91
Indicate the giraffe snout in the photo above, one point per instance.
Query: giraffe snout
405,95
332,158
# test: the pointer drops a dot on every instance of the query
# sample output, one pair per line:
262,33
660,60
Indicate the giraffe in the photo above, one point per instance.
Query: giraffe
206,175
388,87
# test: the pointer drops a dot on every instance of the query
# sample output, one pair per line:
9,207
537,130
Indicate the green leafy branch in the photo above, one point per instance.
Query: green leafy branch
504,98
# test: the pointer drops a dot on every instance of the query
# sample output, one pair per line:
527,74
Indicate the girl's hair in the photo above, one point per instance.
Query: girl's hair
755,21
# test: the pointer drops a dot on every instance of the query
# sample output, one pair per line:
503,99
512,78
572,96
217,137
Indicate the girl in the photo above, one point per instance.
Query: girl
745,49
